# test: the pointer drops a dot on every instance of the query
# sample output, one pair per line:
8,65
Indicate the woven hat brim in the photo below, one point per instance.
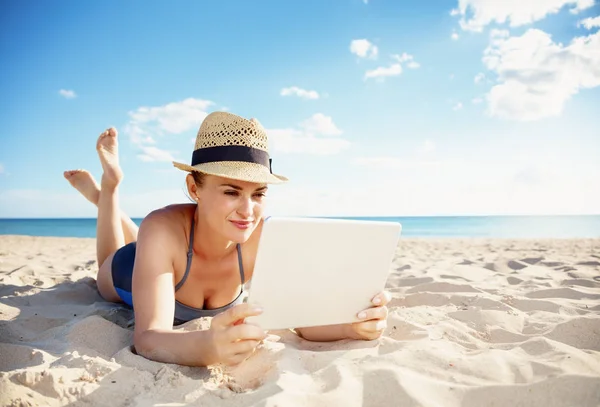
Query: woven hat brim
241,171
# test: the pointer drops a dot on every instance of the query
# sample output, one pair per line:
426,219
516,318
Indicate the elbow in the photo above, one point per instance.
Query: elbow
142,343
146,344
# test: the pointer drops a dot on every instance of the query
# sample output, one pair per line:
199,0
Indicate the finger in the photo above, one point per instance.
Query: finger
234,314
370,327
245,332
370,336
382,298
244,346
373,313
237,359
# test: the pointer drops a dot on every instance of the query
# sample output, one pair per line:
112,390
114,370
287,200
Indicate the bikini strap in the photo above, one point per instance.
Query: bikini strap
189,258
191,253
239,251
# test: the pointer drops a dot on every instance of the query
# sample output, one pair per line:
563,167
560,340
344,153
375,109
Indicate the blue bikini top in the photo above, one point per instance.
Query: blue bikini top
184,313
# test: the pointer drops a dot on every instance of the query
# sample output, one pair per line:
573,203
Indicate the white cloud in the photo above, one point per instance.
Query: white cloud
383,71
302,93
476,14
477,101
537,76
411,63
411,187
364,48
454,36
316,135
148,124
384,162
366,1
394,163
321,125
590,22
297,141
427,147
394,69
479,78
173,118
403,58
154,154
67,94
527,182
582,5
495,33
457,106
423,159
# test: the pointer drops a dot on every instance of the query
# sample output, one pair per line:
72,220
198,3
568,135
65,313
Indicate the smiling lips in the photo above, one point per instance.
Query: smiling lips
241,224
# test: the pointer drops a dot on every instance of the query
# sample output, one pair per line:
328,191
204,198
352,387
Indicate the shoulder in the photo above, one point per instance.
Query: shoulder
167,225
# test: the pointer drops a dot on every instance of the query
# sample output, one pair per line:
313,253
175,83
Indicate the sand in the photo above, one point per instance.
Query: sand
473,322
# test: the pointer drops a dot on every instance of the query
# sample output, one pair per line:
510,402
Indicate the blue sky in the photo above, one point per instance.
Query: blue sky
379,107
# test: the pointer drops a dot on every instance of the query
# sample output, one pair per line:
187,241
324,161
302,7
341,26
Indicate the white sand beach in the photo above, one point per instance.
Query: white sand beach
473,322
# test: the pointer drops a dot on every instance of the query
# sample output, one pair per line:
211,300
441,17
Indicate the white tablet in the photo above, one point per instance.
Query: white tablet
313,271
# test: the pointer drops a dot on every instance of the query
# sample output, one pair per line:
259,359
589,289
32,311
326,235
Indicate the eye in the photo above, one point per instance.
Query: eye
260,195
231,193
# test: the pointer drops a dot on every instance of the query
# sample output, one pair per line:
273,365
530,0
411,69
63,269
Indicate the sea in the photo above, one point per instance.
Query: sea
574,226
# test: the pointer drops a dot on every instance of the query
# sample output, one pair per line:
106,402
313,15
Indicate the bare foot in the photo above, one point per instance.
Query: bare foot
108,151
83,181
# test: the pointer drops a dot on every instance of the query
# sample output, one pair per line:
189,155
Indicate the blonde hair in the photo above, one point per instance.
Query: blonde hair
198,177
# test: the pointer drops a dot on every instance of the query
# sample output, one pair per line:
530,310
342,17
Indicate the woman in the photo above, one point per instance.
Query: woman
149,269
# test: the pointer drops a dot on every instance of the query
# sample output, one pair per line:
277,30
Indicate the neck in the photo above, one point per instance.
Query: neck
208,244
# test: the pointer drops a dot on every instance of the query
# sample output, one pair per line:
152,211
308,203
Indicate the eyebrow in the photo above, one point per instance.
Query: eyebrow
240,188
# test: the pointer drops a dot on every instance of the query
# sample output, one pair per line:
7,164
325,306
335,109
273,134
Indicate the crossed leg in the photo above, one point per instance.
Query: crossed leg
114,228
85,183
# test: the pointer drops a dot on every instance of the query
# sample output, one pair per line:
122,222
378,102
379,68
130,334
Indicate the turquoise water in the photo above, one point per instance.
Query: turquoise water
442,226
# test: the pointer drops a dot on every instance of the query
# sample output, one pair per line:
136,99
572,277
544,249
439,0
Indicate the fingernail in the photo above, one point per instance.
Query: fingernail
377,300
257,309
362,315
381,325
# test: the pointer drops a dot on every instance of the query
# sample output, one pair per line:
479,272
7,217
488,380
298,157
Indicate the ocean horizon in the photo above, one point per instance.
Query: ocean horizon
513,226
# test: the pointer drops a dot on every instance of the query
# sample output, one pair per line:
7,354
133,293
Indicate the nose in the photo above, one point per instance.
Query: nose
245,208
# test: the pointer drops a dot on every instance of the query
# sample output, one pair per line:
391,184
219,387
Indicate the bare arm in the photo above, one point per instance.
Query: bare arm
154,301
327,333
373,323
228,341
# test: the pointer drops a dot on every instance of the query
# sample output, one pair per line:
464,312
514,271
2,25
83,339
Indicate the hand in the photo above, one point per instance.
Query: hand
232,340
373,320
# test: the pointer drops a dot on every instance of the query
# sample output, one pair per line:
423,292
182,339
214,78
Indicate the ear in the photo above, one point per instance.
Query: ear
192,187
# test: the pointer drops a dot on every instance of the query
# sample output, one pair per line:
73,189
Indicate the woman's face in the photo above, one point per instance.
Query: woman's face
233,208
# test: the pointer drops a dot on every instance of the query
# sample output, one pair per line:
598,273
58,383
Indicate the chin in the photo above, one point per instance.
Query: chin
240,236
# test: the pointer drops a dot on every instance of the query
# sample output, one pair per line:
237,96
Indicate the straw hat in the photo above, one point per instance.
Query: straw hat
232,147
